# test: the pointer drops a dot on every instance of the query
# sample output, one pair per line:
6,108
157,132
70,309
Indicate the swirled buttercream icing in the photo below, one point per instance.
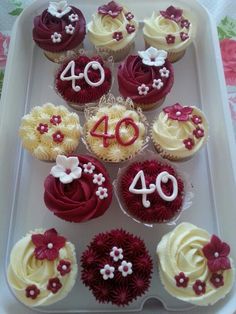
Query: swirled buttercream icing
194,266
50,130
179,131
112,27
114,131
42,268
171,30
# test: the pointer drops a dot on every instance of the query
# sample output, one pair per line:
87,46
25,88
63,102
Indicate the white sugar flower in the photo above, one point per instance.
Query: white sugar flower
58,9
164,72
116,253
107,272
69,29
66,169
56,38
153,56
143,89
98,179
102,193
73,17
88,168
157,84
125,268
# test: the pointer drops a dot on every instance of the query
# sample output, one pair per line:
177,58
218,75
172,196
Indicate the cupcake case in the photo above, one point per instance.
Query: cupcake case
198,82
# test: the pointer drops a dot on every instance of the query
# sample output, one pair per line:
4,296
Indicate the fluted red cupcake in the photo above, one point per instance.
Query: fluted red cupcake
116,267
151,191
83,80
146,78
59,30
78,188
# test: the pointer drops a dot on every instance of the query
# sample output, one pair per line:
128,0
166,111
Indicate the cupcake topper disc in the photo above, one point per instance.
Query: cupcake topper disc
58,9
153,56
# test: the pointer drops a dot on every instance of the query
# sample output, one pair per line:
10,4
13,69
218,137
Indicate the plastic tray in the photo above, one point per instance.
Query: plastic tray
198,81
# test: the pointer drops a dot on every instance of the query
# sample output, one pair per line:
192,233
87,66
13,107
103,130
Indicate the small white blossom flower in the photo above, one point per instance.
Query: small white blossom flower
66,169
88,168
107,272
153,56
98,179
125,268
116,253
58,9
164,72
73,17
102,193
69,29
143,89
157,84
56,37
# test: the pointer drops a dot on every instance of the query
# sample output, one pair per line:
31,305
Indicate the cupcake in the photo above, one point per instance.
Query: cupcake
171,30
49,130
179,132
42,268
113,30
195,267
78,188
146,78
150,191
113,130
83,80
116,267
59,31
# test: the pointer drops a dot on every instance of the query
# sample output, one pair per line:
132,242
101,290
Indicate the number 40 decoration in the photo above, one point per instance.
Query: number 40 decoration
162,177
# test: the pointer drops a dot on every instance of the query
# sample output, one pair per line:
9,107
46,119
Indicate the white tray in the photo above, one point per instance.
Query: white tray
198,81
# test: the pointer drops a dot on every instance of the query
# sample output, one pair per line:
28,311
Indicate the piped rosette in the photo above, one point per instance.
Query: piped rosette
194,266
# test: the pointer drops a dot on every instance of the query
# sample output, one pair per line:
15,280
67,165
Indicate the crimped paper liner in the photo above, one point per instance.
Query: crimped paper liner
108,62
146,107
188,190
60,57
117,55
108,101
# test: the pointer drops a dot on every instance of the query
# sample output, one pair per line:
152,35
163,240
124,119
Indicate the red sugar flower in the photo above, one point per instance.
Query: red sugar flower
58,137
217,253
54,285
117,36
198,132
32,292
181,280
178,112
112,9
172,13
42,128
64,267
199,287
185,23
170,39
130,28
129,16
55,120
217,280
188,143
196,119
184,36
47,245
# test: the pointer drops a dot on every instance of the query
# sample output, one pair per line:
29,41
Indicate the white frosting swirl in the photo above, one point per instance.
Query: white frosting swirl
25,270
102,28
156,28
181,251
170,134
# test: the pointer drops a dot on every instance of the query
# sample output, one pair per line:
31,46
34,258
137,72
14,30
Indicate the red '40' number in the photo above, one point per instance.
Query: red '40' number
106,136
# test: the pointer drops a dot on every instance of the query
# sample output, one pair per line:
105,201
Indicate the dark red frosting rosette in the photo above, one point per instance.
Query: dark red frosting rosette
45,25
87,93
133,73
116,267
77,201
159,210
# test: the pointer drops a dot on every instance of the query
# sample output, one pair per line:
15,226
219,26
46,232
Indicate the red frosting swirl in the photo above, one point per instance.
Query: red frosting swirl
77,201
160,210
132,73
45,25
